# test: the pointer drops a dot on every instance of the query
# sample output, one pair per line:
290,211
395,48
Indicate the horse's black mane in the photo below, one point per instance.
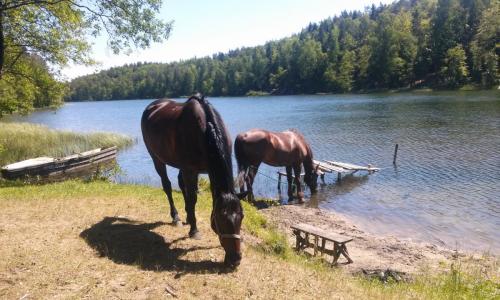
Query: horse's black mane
220,168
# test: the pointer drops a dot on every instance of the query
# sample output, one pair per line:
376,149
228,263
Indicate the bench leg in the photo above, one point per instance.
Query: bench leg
300,242
343,250
322,249
297,241
315,245
336,253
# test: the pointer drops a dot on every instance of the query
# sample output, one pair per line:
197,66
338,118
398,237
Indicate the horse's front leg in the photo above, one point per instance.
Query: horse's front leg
252,173
300,194
161,169
190,182
289,178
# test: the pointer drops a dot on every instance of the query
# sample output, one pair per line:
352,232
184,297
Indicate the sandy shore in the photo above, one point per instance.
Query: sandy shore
367,250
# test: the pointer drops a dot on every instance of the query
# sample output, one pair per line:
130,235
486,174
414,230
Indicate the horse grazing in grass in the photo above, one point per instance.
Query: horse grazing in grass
278,149
192,137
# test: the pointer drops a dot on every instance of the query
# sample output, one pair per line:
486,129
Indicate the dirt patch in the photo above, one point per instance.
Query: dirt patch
125,248
368,251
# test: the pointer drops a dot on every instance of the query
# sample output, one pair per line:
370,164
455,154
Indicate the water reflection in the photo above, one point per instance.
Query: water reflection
329,191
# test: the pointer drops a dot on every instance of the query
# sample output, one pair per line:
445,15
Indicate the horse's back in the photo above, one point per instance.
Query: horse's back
273,148
174,133
160,110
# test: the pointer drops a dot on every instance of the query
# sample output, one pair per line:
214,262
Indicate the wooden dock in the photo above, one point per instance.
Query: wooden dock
329,166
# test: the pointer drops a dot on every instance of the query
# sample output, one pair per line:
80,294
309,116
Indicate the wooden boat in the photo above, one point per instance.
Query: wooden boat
55,168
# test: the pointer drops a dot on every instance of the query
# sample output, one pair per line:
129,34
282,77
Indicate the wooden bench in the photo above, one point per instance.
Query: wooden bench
320,237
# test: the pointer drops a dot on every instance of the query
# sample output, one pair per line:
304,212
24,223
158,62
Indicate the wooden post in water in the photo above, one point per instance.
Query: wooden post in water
395,154
279,181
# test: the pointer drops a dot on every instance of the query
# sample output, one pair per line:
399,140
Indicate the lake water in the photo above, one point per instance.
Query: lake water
445,188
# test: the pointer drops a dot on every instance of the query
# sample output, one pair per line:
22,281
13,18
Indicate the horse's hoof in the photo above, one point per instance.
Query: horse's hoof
176,221
195,235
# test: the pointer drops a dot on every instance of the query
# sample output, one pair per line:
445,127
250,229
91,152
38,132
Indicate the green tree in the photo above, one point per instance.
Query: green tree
346,71
454,71
309,61
56,32
22,93
447,30
486,46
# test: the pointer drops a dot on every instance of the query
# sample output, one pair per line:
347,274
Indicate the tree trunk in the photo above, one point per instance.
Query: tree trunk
2,44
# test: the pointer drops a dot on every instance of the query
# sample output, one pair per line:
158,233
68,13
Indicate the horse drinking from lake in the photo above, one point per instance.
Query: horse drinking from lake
192,137
288,148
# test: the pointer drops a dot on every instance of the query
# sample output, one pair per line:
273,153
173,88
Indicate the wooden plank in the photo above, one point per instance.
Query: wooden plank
33,162
351,167
65,165
333,237
283,173
330,168
322,166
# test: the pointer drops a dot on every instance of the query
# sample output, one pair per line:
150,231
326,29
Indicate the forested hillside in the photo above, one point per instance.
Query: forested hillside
438,43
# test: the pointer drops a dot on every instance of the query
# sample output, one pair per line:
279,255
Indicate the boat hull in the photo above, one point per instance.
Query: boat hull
70,166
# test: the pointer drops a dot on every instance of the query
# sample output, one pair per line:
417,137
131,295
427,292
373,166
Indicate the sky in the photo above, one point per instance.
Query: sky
205,27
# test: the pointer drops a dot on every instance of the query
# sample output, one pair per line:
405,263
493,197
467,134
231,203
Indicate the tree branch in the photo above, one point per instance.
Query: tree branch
32,2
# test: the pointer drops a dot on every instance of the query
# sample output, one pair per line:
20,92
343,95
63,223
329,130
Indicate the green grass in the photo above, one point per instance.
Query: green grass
253,93
20,141
464,279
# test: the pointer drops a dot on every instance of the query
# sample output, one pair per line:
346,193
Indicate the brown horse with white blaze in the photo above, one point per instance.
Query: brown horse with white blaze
279,149
192,137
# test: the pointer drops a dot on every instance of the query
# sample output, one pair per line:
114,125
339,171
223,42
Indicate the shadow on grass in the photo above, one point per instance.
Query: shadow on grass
129,242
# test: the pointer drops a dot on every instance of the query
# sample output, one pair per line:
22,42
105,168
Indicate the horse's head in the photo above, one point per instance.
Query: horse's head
226,222
311,179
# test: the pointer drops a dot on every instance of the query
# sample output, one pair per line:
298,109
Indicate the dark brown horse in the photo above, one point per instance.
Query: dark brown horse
191,136
278,149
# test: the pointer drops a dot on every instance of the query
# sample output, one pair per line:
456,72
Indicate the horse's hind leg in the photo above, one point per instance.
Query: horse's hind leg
289,178
250,178
161,169
190,187
297,170
242,178
181,183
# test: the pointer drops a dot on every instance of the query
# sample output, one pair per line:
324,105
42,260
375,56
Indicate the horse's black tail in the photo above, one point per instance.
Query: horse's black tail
219,149
243,168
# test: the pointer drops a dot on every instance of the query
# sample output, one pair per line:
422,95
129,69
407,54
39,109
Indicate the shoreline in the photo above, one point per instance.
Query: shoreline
464,89
371,251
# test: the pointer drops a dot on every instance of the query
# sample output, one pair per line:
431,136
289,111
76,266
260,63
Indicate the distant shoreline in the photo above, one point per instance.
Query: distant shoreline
257,94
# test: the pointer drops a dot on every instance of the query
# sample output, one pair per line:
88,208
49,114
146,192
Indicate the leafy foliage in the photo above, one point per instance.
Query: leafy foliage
439,43
454,70
36,34
29,84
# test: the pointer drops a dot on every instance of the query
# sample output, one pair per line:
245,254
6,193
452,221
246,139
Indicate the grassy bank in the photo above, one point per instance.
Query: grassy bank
19,141
99,239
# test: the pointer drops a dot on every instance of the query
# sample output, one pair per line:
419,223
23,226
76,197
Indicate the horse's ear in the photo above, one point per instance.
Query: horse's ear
242,195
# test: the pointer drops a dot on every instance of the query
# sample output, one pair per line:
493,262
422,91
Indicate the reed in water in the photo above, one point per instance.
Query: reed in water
20,141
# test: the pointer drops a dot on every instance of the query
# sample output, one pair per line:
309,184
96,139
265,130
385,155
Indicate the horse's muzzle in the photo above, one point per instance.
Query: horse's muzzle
232,259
